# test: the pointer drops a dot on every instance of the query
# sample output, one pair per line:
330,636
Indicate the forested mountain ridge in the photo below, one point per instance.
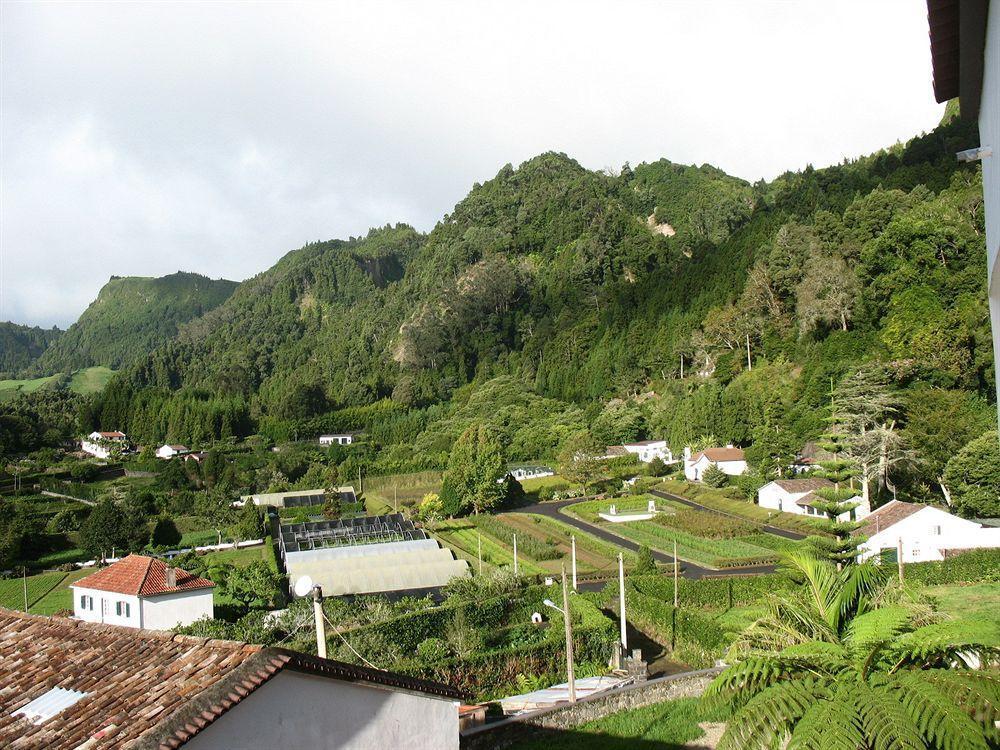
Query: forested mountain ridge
21,345
552,280
129,318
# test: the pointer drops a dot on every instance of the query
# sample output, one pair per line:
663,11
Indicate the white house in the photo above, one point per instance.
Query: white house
520,472
104,444
142,592
730,461
169,451
82,685
344,438
647,450
927,533
965,52
797,496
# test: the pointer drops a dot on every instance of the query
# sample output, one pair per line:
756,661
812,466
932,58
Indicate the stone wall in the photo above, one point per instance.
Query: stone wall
503,733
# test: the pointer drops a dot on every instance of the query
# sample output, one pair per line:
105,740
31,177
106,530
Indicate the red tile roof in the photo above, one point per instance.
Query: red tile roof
803,485
889,515
114,434
720,454
145,689
141,576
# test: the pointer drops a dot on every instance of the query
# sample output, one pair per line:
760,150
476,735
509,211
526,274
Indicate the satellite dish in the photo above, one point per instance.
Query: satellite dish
303,586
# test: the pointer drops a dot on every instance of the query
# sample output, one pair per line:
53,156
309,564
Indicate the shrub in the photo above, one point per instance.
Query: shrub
165,533
432,650
975,566
644,561
715,477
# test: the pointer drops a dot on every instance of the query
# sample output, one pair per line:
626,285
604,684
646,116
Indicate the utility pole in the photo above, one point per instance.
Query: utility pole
682,367
515,554
479,545
395,500
320,627
749,363
573,542
24,585
899,558
676,569
621,600
571,681
361,484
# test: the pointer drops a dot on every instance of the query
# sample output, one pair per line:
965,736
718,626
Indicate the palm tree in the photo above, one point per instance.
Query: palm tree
850,664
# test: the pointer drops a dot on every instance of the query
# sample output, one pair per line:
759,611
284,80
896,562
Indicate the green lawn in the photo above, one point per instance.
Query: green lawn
663,726
90,380
979,601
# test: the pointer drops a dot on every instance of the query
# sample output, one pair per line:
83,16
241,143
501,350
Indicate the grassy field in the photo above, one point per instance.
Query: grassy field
47,592
464,536
979,601
668,726
715,499
592,554
714,553
405,489
89,380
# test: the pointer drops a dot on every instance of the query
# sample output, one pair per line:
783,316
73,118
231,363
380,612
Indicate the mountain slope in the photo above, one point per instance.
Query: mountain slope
21,345
129,318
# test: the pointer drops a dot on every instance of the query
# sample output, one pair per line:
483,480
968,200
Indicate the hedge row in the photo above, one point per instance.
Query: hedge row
975,566
717,593
695,637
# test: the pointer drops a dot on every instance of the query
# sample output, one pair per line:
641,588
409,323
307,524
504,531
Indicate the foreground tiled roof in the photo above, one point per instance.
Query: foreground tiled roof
803,485
720,454
888,515
145,689
141,576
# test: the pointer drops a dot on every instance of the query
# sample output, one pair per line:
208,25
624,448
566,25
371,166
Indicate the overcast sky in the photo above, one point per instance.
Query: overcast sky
142,139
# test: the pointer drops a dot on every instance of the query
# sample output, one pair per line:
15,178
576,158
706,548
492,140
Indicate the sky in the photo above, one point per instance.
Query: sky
145,138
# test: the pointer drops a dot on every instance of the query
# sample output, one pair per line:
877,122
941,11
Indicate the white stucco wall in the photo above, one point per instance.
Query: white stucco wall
104,607
302,711
929,531
989,135
181,608
774,497
647,453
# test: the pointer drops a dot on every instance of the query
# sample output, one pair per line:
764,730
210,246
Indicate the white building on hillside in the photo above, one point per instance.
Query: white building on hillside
169,451
797,496
520,472
927,533
142,592
647,450
343,438
730,461
104,444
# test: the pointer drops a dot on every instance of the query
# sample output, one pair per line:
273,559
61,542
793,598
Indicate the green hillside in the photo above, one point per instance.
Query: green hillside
550,286
86,381
129,318
22,345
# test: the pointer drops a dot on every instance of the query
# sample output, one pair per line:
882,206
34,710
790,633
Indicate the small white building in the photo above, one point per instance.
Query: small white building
729,460
104,444
927,533
797,496
647,450
169,451
142,592
520,472
343,438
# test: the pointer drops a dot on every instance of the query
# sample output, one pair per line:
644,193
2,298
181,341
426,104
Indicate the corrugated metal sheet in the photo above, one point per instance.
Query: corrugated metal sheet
44,707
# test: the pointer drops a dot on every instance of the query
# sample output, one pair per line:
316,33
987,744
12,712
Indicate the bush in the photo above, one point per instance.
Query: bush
84,471
975,566
644,561
432,650
715,477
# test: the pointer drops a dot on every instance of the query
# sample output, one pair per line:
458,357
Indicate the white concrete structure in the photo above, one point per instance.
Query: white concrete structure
520,472
104,444
927,533
294,710
169,451
343,438
615,517
797,495
965,50
730,461
142,592
647,450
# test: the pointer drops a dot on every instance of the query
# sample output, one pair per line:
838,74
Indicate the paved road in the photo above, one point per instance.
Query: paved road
688,569
794,536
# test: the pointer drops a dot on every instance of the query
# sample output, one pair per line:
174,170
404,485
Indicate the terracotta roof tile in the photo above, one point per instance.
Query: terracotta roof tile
141,576
888,515
145,689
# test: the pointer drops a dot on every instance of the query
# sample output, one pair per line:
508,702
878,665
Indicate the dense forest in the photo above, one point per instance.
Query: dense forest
21,345
129,318
659,301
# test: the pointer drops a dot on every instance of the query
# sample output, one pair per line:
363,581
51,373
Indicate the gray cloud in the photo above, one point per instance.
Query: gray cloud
139,139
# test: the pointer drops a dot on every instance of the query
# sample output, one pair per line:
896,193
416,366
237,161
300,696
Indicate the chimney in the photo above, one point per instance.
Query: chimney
171,577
